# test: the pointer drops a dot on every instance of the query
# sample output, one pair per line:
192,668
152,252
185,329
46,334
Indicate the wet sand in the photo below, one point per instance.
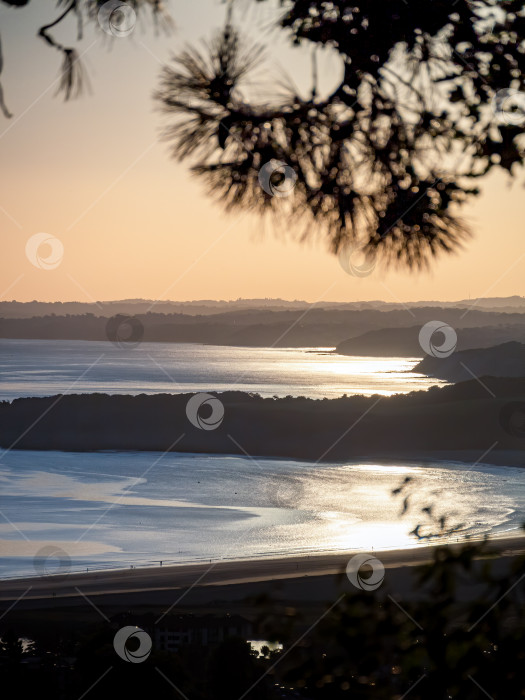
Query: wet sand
298,577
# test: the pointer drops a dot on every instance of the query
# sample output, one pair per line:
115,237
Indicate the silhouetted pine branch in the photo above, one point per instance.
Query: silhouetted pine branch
389,156
72,77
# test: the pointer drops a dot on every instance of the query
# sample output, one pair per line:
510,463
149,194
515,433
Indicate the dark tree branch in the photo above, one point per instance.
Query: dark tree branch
386,158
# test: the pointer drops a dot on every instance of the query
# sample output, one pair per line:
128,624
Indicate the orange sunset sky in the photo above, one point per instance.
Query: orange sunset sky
134,223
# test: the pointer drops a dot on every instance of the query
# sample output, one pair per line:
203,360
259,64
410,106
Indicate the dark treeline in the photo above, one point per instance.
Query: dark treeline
467,416
285,328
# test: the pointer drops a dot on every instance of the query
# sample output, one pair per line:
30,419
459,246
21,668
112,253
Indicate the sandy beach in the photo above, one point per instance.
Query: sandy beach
311,577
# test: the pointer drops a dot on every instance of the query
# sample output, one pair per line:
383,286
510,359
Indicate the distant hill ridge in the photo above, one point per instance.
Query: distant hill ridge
505,360
392,332
17,309
404,342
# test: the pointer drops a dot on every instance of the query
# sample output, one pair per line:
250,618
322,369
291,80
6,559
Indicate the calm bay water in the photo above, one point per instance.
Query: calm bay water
117,510
122,509
43,368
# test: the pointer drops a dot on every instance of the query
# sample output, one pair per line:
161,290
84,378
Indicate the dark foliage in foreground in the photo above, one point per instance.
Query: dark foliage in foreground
436,647
460,634
429,101
431,98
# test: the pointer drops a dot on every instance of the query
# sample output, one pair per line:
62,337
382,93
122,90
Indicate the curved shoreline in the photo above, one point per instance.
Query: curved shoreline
153,566
158,585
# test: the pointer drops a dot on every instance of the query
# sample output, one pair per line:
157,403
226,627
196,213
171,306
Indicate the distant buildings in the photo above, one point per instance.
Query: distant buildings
175,631
203,631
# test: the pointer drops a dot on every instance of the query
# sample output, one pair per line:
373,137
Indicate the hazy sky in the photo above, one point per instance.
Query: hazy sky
134,223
